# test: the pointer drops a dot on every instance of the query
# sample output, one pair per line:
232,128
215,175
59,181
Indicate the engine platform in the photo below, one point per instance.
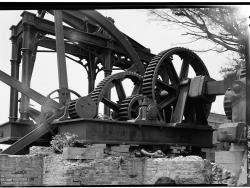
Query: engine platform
118,132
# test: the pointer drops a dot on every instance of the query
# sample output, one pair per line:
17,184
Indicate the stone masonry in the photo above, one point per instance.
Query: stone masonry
20,170
52,169
107,171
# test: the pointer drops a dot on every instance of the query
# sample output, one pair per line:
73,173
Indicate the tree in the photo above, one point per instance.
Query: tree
223,26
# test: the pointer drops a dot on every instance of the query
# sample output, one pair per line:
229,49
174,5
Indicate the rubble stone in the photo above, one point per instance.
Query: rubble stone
120,148
54,170
95,152
220,175
34,150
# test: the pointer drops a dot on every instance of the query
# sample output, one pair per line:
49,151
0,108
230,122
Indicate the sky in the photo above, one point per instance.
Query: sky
135,23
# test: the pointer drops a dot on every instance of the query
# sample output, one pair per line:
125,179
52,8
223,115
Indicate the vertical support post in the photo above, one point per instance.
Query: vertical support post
26,66
28,59
61,61
248,100
91,72
107,72
15,62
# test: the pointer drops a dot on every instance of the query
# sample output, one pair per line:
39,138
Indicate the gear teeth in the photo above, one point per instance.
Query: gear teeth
72,111
147,86
96,94
124,110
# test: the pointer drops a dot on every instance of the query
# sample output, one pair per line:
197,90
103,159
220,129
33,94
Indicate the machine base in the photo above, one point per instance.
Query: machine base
10,132
141,133
117,132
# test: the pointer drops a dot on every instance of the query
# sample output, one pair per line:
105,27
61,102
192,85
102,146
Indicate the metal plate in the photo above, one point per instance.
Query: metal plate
117,132
13,131
86,107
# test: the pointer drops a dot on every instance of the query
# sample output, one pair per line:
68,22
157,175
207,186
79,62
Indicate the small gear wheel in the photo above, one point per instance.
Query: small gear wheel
129,107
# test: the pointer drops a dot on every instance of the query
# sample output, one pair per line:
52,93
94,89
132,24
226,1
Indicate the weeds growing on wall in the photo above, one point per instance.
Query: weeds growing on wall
63,140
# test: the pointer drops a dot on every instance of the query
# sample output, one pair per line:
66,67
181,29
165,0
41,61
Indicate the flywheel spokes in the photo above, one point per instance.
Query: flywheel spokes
166,83
116,81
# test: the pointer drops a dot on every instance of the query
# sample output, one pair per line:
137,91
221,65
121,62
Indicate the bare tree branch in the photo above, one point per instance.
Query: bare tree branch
221,26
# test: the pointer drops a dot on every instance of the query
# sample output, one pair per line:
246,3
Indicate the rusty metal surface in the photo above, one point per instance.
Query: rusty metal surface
114,32
174,101
61,61
180,104
69,48
97,41
162,77
98,95
115,132
26,140
49,113
15,65
10,132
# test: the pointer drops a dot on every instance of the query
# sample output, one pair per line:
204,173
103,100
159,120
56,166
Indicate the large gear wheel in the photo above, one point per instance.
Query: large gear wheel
115,81
98,95
161,83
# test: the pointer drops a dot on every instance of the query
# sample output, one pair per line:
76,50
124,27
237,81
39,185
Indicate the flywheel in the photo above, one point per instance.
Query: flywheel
164,78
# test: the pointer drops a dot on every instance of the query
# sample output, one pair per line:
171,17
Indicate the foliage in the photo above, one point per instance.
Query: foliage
63,140
233,66
221,25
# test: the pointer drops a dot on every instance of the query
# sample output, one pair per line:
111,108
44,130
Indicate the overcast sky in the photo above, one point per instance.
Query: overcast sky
135,23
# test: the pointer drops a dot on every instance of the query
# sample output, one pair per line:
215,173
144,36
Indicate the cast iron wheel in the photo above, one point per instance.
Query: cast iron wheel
48,104
115,80
129,107
161,83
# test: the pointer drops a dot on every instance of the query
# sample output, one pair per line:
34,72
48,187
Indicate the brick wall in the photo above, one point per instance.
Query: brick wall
52,169
184,170
21,170
107,171
125,171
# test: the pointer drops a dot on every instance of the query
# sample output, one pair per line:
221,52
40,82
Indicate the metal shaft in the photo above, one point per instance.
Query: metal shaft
91,72
107,72
34,95
61,61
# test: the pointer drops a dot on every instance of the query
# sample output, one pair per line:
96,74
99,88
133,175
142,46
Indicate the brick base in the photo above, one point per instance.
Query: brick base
21,170
53,169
